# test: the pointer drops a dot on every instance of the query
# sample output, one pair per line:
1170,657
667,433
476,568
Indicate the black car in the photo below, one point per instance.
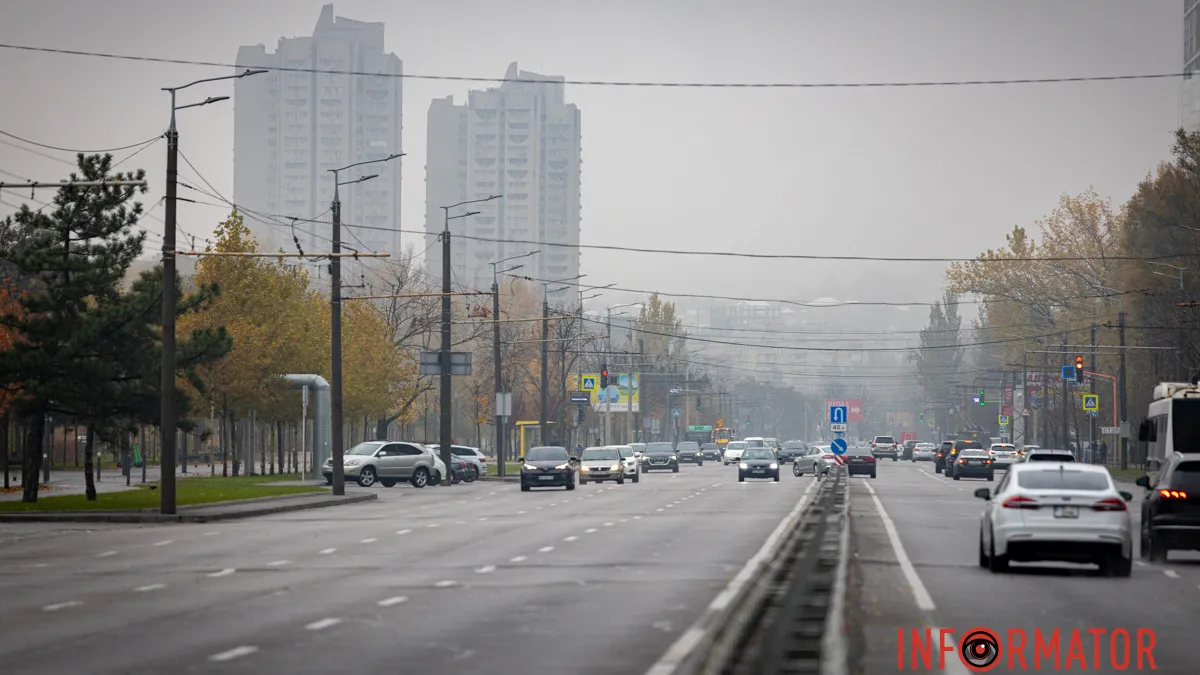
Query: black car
906,452
791,450
547,466
660,457
860,461
758,463
974,463
1171,509
689,451
951,460
711,451
939,464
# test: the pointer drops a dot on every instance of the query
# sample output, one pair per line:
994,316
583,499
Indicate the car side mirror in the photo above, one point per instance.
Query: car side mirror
521,458
1127,496
1142,481
574,459
984,494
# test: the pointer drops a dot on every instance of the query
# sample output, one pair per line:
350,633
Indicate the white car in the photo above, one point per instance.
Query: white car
1004,454
924,452
638,449
629,461
733,452
816,460
439,467
1053,511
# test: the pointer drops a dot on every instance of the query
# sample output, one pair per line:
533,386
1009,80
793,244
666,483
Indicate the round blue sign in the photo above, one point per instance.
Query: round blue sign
839,446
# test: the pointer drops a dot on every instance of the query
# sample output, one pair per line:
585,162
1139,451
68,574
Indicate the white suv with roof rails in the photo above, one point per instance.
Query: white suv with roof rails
1048,455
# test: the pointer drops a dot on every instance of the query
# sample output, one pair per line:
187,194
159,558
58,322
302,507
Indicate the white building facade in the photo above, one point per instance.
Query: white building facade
520,140
291,127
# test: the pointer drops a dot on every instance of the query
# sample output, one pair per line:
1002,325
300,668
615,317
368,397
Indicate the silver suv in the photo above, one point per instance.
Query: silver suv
386,462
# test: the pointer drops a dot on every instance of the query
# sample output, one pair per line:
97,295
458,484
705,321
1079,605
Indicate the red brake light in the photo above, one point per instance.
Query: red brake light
1019,502
872,445
1173,494
869,458
1111,504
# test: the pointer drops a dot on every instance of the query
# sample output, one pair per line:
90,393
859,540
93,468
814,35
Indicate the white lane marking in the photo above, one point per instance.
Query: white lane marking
40,565
446,584
61,605
686,642
394,600
545,549
235,653
553,503
164,542
482,519
518,559
213,533
486,569
540,508
432,525
571,538
369,540
624,520
278,563
223,573
520,513
658,510
920,594
491,493
326,551
590,530
151,587
1171,573
403,531
106,554
670,506
608,524
323,624
637,517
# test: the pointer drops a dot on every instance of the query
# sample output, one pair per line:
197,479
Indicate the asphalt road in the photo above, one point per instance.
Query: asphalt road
932,579
468,579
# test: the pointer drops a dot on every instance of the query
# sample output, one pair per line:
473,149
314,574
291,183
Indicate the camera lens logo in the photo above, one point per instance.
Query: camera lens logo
979,649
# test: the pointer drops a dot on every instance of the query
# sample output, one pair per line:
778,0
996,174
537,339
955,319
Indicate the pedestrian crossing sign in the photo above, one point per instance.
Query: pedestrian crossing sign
589,384
1091,402
1003,420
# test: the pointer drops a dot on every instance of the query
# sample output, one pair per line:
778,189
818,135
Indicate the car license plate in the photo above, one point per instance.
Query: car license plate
1066,512
973,462
545,477
759,470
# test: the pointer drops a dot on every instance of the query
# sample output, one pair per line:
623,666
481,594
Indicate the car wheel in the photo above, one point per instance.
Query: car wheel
1144,548
983,556
991,477
570,483
797,471
741,478
872,474
956,476
524,487
776,478
1115,565
474,474
635,477
387,482
583,481
366,477
621,480
329,480
420,477
894,459
998,564
675,469
700,463
937,469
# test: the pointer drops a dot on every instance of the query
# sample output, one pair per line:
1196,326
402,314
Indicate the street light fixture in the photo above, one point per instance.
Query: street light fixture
167,422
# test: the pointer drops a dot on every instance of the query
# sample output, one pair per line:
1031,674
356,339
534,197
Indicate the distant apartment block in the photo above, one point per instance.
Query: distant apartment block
520,140
1189,92
291,127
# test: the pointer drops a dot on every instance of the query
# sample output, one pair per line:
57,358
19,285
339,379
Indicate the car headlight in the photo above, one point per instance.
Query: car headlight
774,466
352,462
616,467
675,457
743,465
584,469
529,467
563,466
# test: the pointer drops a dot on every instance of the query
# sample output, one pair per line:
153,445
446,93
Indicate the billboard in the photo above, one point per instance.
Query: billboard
854,408
619,392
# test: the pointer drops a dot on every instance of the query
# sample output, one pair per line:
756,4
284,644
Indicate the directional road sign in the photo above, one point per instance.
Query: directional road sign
1091,402
839,414
1068,372
838,446
675,413
841,428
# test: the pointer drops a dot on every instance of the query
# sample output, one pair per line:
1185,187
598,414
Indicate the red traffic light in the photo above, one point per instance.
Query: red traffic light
604,373
1078,363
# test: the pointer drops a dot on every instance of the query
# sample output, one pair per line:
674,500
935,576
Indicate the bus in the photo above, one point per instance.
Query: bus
722,435
1173,421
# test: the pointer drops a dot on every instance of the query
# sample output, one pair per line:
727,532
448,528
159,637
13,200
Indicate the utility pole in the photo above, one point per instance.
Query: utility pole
545,402
167,422
1124,402
1092,418
1066,401
498,378
1044,439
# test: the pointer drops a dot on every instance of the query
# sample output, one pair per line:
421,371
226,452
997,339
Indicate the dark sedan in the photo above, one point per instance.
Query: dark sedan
660,457
547,466
974,463
860,461
689,451
790,451
758,463
711,451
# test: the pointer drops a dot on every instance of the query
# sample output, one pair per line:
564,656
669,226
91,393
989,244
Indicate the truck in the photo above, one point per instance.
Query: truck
1172,423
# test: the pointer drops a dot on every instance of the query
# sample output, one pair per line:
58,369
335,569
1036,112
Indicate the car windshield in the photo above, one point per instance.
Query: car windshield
1052,457
660,449
625,451
884,440
689,445
758,453
709,446
1062,480
547,454
963,445
600,454
364,449
736,445
754,443
1186,477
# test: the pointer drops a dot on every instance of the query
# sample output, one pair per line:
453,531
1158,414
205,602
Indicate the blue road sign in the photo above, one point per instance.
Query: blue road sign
839,446
675,413
838,414
1068,372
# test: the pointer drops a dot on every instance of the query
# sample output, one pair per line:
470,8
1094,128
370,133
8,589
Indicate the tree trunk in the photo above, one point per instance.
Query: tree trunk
279,449
233,444
88,481
4,450
31,466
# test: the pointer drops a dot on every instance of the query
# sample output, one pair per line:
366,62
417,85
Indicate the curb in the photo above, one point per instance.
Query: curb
835,653
501,479
151,517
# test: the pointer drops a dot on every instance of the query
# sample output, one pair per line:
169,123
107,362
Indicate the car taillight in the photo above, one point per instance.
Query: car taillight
827,456
1111,504
869,458
987,461
1173,494
962,461
893,446
1019,502
872,445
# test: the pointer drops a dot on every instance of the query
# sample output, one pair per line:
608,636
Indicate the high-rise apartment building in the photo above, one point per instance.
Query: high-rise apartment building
292,126
1189,90
520,140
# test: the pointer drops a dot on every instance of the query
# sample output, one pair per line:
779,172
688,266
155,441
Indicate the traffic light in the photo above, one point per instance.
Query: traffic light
1078,368
697,403
981,403
922,416
604,377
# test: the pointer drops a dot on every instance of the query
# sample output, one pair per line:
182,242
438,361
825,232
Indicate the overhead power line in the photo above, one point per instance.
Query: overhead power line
610,83
86,152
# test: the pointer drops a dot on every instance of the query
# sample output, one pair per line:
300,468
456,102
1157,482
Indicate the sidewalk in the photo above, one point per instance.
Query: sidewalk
200,513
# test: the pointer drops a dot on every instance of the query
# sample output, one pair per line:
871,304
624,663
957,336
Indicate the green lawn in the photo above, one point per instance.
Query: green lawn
188,492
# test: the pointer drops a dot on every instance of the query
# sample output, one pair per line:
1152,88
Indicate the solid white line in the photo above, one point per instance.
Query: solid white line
403,531
370,540
61,605
164,543
278,563
235,653
395,600
486,569
518,559
326,551
920,594
151,587
545,549
323,624
1171,573
106,554
223,573
678,650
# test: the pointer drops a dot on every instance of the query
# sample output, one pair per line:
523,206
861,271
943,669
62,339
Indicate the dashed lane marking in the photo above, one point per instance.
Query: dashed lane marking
278,563
395,600
151,587
446,584
571,538
590,530
61,605
222,573
106,554
164,542
545,549
323,624
369,540
517,559
235,653
486,569
1171,573
403,531
326,551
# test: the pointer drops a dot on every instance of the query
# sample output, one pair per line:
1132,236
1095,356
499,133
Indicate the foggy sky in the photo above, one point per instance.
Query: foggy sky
896,172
